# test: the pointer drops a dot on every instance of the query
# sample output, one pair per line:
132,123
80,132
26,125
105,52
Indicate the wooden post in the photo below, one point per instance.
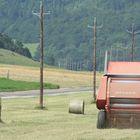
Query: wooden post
8,74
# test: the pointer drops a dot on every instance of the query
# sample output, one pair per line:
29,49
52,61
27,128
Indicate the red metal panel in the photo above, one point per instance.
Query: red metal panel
101,97
114,110
131,68
125,106
122,88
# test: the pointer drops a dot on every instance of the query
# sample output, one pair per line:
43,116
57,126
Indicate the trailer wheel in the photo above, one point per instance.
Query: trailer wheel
101,121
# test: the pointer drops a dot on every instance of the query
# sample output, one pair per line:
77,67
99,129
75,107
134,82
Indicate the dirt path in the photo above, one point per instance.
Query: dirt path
49,92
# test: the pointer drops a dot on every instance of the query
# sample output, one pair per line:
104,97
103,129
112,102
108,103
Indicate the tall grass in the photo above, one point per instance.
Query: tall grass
64,78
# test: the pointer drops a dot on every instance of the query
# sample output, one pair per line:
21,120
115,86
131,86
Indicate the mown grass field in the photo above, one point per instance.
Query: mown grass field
13,85
32,47
22,121
64,78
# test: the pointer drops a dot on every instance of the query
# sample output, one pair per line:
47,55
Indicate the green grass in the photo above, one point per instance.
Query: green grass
9,57
22,121
13,85
32,47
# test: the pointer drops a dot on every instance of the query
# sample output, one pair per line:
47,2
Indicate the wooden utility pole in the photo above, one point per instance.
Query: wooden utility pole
41,15
0,110
94,59
94,56
133,33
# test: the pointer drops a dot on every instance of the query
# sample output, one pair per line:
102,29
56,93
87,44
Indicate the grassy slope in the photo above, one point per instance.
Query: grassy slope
64,78
8,57
12,85
22,121
32,47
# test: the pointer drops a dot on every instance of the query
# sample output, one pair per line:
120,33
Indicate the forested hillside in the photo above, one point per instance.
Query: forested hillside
13,45
68,41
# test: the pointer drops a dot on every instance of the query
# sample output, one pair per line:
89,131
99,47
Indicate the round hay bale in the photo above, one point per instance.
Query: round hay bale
77,106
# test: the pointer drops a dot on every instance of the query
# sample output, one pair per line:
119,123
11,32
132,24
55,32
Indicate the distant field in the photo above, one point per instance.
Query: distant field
32,47
23,122
9,57
22,68
64,78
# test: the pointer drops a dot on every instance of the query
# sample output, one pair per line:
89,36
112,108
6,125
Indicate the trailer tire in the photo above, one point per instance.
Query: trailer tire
101,121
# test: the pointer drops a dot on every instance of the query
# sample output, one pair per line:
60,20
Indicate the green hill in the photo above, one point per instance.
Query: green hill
68,41
32,48
9,57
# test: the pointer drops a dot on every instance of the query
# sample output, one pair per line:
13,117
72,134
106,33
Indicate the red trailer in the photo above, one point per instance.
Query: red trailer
118,98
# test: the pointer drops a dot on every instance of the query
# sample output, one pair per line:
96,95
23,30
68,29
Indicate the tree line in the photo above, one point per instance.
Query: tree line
13,45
